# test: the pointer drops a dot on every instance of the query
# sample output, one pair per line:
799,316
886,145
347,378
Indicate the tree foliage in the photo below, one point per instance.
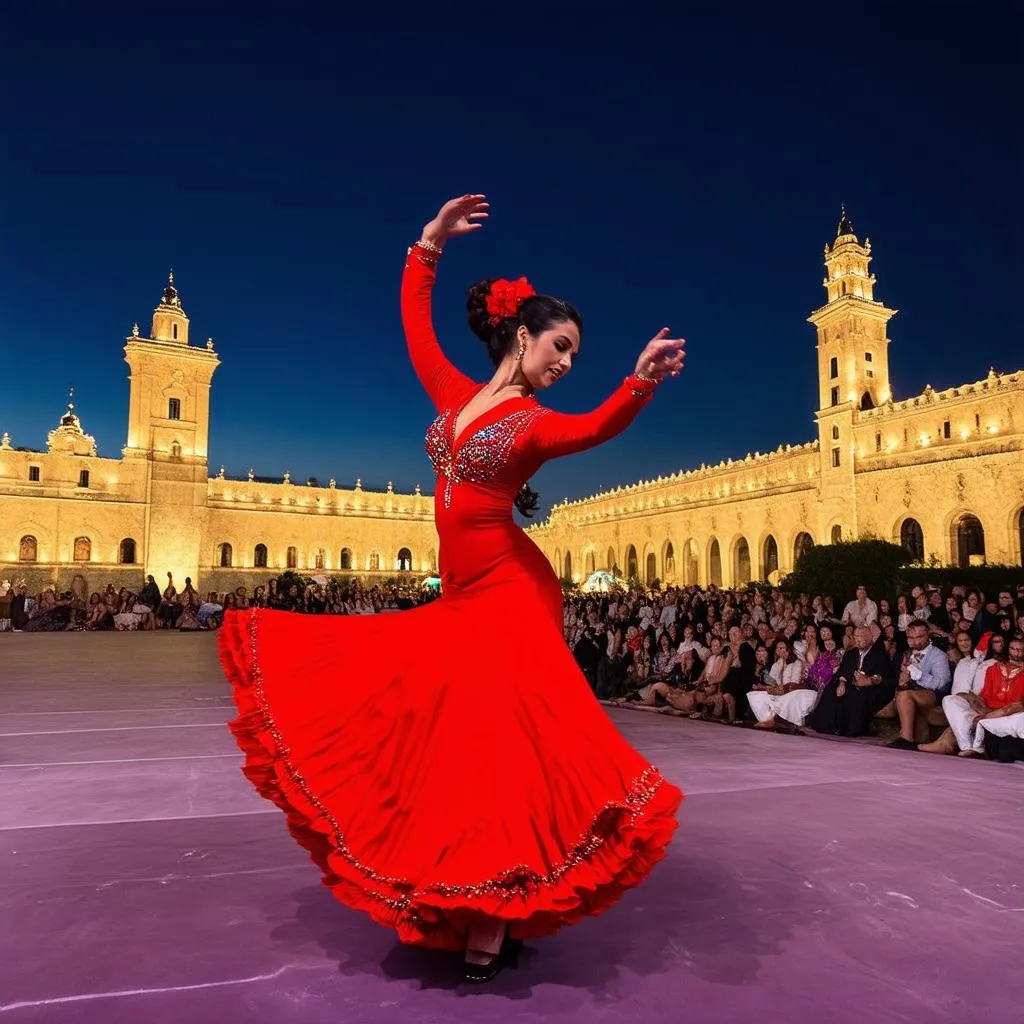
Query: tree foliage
837,569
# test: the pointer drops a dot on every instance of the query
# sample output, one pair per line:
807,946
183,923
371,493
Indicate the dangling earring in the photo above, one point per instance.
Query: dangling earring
521,352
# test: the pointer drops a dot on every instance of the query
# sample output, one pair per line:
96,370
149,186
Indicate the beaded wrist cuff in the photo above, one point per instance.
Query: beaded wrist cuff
425,252
642,387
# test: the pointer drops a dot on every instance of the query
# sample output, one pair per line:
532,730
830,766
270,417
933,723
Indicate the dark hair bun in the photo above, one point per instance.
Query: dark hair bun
476,309
537,313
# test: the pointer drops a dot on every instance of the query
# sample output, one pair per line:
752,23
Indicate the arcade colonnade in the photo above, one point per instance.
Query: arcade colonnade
639,550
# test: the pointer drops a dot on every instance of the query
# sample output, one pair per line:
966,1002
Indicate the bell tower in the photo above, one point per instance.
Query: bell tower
169,429
169,398
853,360
853,371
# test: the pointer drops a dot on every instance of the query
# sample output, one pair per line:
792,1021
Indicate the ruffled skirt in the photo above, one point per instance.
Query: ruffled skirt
436,778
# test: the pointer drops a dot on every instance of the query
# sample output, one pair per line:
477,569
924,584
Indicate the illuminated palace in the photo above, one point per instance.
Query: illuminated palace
67,511
941,473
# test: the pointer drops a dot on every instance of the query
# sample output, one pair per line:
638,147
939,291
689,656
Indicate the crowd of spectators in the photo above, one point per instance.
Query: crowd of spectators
752,657
186,609
930,660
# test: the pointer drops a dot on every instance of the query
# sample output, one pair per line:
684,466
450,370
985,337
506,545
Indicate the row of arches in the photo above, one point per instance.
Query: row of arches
81,550
224,558
966,539
739,562
687,571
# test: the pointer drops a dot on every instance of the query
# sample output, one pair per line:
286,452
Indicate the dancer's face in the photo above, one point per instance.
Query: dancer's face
549,355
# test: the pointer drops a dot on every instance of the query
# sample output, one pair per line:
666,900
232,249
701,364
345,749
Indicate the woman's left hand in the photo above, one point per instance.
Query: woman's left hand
663,356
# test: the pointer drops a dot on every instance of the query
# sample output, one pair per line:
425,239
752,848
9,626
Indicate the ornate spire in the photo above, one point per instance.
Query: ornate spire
69,419
845,227
68,435
170,296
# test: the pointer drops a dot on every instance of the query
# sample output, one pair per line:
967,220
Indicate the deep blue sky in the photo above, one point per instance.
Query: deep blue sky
662,165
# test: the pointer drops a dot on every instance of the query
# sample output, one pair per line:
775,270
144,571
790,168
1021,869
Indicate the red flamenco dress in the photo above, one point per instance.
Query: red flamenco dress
455,783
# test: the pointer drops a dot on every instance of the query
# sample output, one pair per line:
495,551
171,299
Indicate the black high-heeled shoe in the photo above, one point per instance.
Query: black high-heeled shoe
508,956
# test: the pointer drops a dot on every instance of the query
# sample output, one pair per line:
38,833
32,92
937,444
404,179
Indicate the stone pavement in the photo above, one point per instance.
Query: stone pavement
142,879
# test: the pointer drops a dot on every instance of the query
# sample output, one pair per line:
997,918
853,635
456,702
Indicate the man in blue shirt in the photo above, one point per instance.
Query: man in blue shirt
923,681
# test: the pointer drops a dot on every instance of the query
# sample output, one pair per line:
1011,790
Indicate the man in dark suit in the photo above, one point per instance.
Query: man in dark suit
19,613
862,685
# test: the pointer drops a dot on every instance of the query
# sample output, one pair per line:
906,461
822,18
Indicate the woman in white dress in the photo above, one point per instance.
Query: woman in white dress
789,697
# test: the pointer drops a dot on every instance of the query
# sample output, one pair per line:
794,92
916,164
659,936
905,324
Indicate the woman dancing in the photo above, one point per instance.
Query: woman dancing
475,802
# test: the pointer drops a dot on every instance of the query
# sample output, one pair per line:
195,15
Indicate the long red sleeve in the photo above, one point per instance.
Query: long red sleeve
443,382
564,433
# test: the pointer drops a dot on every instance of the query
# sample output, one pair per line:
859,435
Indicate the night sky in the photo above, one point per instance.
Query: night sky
662,165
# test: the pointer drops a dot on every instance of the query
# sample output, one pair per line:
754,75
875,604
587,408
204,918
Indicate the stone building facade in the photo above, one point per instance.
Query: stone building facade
941,472
68,511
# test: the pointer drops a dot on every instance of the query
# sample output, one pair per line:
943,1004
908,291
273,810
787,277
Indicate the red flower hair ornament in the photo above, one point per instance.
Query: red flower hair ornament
505,297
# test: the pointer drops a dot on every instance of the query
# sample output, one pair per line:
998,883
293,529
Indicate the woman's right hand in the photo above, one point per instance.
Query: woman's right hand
457,217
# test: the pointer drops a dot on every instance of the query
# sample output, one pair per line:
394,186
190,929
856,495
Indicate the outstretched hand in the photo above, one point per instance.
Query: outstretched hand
662,357
457,217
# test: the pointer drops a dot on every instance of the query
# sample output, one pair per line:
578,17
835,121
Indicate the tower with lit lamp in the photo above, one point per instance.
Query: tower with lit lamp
169,427
853,365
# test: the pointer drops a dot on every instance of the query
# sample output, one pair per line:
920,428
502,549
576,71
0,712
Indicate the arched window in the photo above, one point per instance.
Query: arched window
259,556
969,536
715,563
610,559
803,543
175,450
632,568
404,560
690,559
432,560
591,563
567,575
83,549
375,561
912,538
742,562
174,408
771,556
652,568
126,551
345,562
670,561
833,368
291,560
837,534
224,555
319,559
27,549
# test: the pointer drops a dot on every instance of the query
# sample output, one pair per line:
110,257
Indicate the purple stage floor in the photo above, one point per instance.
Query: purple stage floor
142,879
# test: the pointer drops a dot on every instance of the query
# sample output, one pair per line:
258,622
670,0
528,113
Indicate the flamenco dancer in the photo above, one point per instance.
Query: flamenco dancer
470,803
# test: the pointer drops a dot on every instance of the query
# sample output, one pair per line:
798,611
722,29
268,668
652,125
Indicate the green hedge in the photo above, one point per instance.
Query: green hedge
836,569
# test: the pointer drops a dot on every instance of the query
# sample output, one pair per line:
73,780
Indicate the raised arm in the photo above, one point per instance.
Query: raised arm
443,382
564,433
561,433
445,385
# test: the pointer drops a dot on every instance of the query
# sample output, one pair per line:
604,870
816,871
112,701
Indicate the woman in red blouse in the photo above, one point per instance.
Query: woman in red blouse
467,802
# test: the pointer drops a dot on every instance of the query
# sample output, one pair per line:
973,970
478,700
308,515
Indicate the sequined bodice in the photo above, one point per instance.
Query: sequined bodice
480,457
